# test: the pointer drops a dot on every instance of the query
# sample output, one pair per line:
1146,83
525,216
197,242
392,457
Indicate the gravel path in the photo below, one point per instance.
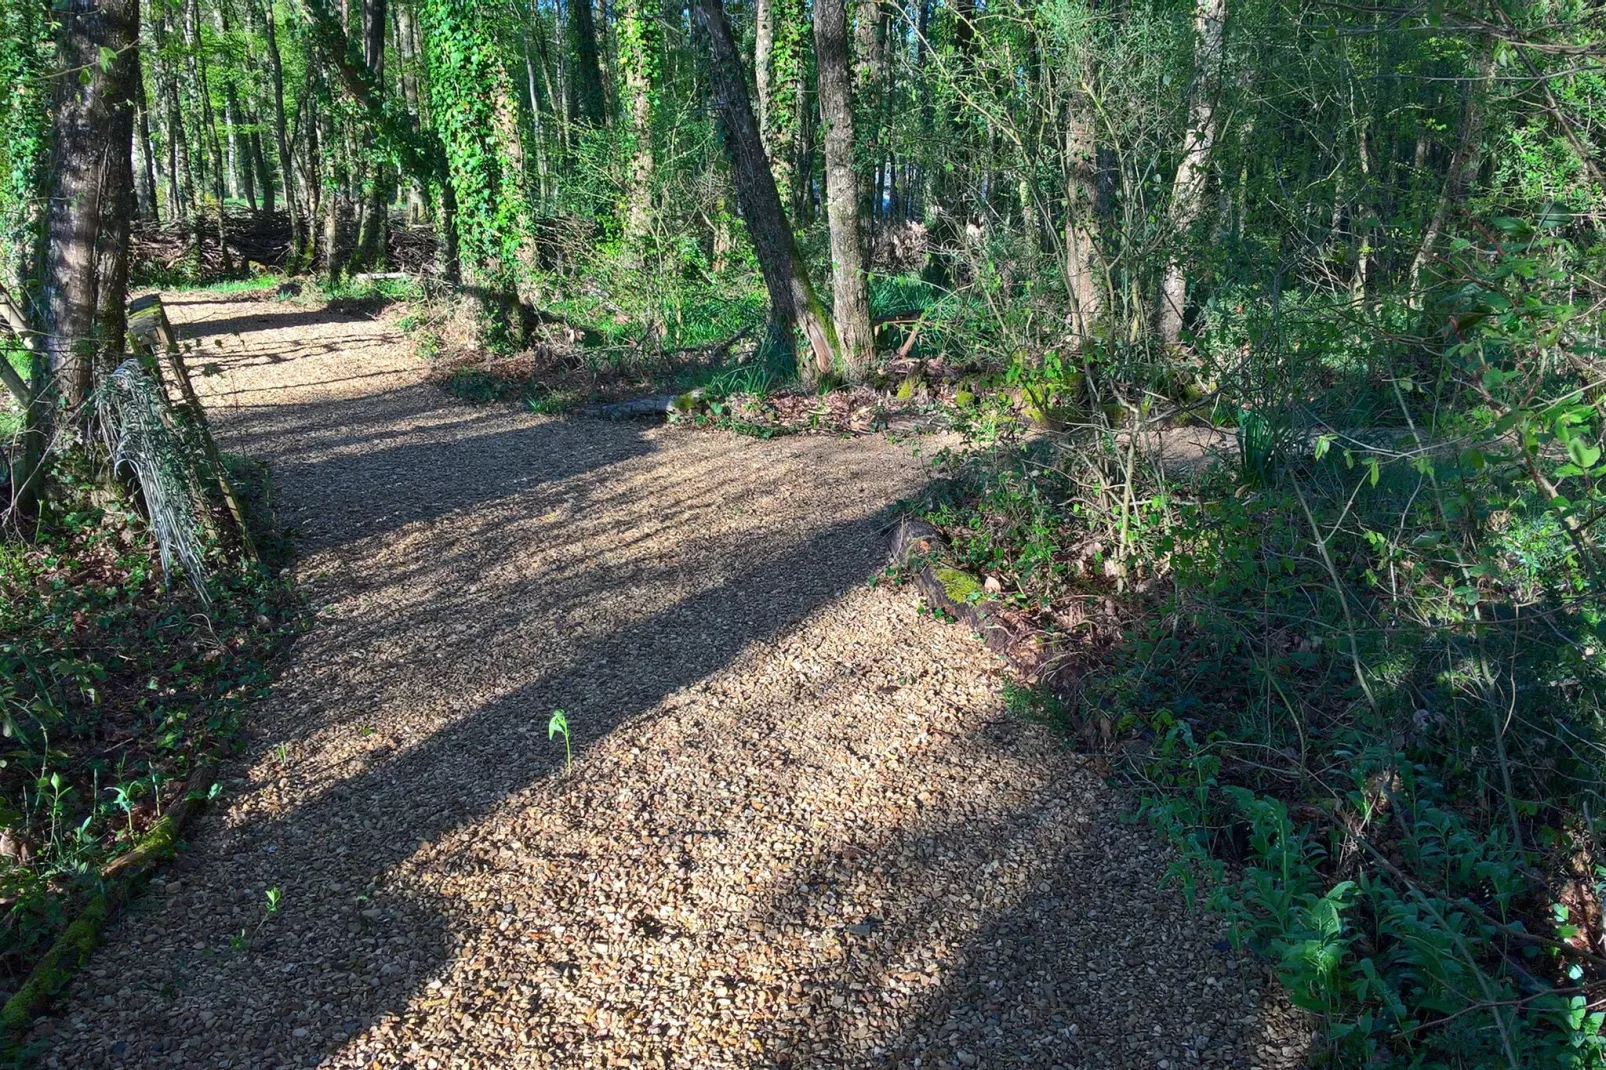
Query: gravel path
799,829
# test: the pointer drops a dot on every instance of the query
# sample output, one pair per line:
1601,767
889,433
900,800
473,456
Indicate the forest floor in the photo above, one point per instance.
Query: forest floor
799,827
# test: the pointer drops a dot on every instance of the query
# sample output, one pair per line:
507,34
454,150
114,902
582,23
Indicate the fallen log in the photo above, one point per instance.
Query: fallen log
920,548
637,408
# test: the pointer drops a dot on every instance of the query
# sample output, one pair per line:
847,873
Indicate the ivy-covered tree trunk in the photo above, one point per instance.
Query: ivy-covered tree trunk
475,111
86,269
793,303
781,89
850,295
639,42
763,56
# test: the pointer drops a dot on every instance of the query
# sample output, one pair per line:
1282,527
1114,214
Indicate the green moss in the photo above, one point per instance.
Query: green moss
54,971
960,586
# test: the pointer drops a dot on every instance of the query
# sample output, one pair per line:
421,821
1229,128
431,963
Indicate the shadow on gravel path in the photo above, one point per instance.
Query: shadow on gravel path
799,828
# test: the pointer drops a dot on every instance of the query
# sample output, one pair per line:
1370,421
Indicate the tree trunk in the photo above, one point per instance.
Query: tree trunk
259,161
86,267
379,185
777,54
145,176
209,131
1464,165
850,295
178,176
295,261
373,37
806,125
873,92
336,207
1084,266
407,49
543,162
638,60
588,68
792,299
763,56
239,152
1187,189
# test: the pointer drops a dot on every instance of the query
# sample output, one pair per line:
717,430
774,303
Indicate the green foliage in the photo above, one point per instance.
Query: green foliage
475,387
26,58
472,102
559,722
1366,651
111,689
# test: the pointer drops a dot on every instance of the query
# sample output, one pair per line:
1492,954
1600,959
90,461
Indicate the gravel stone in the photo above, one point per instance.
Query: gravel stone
799,830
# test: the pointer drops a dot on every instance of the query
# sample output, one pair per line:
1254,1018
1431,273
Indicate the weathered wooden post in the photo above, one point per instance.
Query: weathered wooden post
148,326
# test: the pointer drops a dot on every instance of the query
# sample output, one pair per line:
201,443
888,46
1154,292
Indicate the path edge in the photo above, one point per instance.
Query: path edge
119,879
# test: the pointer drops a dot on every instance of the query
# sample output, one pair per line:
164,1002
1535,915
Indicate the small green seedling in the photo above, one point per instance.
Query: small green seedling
274,895
559,722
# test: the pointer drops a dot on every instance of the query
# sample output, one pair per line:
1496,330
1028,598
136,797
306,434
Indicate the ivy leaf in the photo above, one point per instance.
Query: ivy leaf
108,56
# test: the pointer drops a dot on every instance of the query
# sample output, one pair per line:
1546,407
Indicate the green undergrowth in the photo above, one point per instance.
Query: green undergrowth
1353,665
618,332
1374,738
113,685
365,294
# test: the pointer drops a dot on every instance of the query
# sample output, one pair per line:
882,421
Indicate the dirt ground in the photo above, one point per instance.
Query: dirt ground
799,829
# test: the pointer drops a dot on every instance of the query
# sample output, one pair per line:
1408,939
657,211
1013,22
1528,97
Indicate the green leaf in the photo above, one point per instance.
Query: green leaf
1583,454
108,56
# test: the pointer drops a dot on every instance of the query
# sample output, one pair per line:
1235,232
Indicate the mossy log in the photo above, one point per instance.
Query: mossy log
655,405
118,880
918,546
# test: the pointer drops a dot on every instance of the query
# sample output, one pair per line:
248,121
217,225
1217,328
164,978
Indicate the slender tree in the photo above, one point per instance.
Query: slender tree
793,303
1084,262
850,294
1193,171
588,65
281,137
